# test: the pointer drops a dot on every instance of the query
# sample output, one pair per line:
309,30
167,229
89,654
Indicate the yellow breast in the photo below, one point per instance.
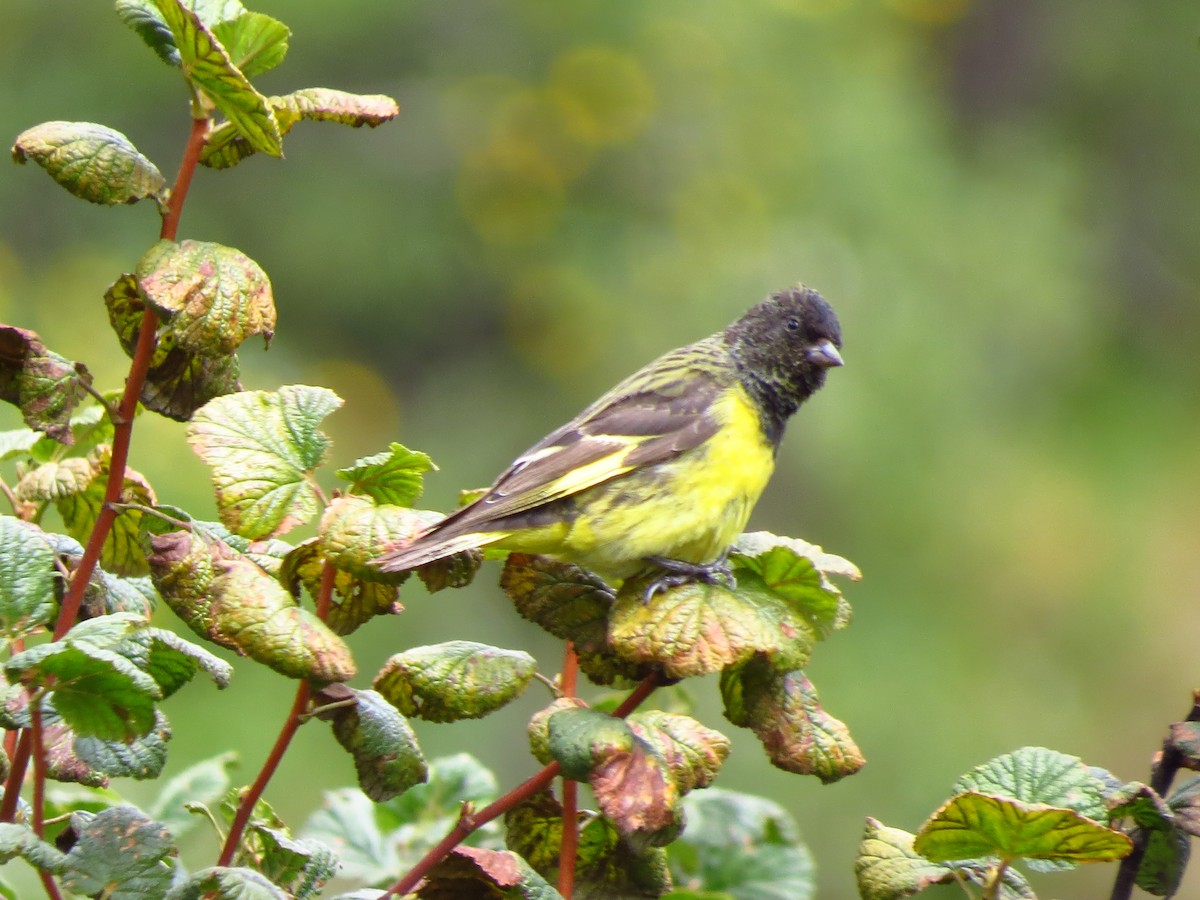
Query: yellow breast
690,508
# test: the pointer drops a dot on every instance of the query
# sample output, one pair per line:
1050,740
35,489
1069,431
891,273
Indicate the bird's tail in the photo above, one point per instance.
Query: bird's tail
431,547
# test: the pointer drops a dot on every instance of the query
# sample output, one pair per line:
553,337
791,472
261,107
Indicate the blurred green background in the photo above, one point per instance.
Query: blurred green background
1001,198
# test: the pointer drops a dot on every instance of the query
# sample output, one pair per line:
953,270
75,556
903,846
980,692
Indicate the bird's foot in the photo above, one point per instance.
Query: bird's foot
678,572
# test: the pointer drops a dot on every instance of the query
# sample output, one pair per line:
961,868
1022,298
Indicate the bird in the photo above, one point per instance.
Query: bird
658,477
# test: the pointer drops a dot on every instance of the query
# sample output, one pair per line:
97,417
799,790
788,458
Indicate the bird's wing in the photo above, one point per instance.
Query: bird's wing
642,422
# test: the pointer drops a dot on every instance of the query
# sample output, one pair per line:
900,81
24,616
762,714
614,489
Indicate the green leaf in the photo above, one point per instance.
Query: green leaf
256,43
17,443
183,568
972,825
299,865
745,846
888,868
262,447
210,297
92,162
98,692
1039,775
454,680
172,661
395,477
107,594
692,753
46,387
354,532
386,756
783,709
1165,831
204,783
222,883
225,147
699,629
122,551
206,65
179,380
799,573
254,614
375,841
141,758
27,578
1185,804
119,852
573,605
20,841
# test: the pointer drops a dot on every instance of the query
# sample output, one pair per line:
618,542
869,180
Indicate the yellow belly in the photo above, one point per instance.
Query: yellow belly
691,508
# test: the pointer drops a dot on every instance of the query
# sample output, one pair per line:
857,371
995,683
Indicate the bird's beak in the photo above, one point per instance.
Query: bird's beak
824,354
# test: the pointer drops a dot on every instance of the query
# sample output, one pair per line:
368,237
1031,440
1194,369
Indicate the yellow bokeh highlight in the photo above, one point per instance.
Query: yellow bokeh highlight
558,320
605,95
530,123
510,197
718,209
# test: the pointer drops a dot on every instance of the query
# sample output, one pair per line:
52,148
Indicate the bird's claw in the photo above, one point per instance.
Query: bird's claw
679,572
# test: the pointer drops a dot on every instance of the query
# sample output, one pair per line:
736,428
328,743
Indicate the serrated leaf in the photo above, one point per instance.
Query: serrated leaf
172,661
1162,827
17,443
122,551
27,578
698,629
141,758
386,756
476,872
394,477
96,691
183,567
46,387
204,782
107,594
354,600
262,446
744,845
299,865
179,381
454,680
209,297
374,841
255,42
799,573
63,763
119,852
783,709
93,162
573,605
888,868
1039,775
972,825
692,753
225,147
255,615
354,532
227,883
20,841
207,66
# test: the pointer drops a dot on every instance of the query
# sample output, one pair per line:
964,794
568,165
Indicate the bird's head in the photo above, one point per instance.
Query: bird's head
787,343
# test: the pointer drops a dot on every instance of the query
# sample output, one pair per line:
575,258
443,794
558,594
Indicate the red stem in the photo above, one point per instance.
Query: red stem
16,775
569,848
39,768
256,790
469,821
286,733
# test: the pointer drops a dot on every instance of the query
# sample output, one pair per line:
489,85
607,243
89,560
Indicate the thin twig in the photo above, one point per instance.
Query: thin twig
297,716
470,821
569,847
1166,766
39,765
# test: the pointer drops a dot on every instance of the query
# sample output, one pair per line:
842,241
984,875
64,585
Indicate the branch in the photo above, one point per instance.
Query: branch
1166,766
297,716
470,821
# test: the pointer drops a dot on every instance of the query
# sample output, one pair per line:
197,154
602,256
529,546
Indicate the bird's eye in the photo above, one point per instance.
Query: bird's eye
792,324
